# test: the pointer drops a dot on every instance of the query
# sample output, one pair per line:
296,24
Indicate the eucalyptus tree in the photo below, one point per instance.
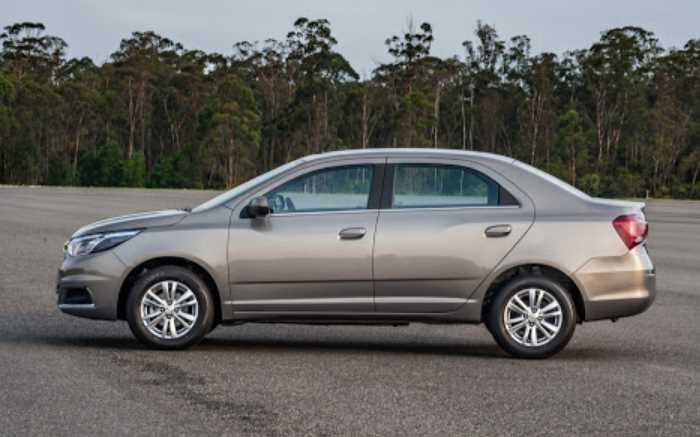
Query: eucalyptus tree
7,125
617,118
138,66
484,64
616,70
80,92
234,134
405,83
264,65
31,60
317,70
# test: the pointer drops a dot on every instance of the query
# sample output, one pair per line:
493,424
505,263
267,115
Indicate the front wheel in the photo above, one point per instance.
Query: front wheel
532,317
170,307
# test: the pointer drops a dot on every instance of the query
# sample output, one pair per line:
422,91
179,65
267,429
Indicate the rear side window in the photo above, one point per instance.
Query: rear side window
434,186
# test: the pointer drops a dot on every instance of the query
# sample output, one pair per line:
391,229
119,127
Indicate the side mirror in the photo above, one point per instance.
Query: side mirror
259,207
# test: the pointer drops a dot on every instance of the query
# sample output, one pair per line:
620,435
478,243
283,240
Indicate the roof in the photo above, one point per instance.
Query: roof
410,153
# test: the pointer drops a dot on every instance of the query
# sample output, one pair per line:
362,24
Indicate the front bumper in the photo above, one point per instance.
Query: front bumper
617,286
89,286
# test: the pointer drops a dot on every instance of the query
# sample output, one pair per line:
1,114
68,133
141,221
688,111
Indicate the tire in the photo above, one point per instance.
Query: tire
190,322
519,342
213,326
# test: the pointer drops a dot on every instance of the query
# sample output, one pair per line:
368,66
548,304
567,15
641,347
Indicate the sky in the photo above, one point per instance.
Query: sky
94,28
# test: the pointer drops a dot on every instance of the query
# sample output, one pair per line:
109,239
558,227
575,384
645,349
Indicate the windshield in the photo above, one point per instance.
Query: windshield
229,195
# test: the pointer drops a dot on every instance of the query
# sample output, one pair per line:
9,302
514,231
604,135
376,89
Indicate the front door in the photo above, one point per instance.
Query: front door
314,252
445,227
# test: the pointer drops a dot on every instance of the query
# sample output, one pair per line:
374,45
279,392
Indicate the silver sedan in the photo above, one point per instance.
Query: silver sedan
381,236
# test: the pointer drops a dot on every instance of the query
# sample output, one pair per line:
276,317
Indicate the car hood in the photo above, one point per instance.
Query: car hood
134,221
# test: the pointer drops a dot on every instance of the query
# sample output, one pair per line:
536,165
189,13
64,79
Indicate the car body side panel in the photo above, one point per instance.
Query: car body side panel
296,261
565,244
199,238
432,259
570,229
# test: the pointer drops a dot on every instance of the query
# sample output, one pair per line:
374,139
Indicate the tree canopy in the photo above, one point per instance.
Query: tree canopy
619,118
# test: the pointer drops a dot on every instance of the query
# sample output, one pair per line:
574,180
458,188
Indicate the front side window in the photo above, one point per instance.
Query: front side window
434,186
332,189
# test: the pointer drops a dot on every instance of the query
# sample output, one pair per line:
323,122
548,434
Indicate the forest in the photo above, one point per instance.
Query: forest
618,118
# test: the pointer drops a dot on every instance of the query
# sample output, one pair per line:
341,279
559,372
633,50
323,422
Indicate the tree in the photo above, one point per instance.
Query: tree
617,118
615,69
235,131
405,81
7,124
318,68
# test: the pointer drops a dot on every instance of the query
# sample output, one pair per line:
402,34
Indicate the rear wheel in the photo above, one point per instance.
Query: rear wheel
532,317
170,307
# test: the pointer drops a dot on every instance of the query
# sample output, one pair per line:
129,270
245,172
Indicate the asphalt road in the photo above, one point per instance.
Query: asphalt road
66,376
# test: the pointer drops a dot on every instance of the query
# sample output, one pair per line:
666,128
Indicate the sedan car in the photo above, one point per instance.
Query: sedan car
380,236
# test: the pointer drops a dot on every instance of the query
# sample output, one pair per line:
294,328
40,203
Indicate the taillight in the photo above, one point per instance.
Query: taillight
632,229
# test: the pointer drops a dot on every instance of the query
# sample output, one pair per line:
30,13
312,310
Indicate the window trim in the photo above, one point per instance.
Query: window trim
387,203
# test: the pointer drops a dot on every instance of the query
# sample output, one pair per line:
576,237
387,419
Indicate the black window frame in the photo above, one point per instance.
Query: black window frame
504,197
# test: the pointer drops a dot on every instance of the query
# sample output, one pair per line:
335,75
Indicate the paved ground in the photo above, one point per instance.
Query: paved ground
65,376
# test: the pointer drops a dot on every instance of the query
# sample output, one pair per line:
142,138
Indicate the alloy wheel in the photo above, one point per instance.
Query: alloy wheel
169,309
533,317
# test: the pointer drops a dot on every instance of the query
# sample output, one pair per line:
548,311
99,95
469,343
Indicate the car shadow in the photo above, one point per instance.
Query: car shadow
252,344
258,344
266,344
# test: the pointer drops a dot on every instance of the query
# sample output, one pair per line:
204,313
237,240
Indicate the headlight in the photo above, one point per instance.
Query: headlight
96,242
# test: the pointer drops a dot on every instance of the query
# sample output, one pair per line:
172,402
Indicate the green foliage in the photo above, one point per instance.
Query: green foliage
172,172
590,183
60,173
103,167
618,118
135,170
7,97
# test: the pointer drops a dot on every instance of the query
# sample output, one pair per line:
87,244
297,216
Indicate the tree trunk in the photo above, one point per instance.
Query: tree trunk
572,166
436,115
142,112
132,120
365,121
471,118
464,121
230,164
600,123
77,149
695,178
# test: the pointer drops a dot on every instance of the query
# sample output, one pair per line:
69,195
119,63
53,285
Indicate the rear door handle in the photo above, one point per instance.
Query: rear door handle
496,231
352,233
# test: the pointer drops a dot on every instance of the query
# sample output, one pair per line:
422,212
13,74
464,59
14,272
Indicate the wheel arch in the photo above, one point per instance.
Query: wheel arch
548,271
153,263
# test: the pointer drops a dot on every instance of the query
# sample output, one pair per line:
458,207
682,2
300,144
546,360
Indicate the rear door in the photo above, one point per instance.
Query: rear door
444,225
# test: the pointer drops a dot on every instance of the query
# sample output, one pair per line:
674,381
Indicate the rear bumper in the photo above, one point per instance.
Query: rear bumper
89,286
620,286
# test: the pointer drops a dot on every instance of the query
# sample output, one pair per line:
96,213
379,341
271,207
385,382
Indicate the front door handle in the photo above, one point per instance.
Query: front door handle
496,231
352,233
